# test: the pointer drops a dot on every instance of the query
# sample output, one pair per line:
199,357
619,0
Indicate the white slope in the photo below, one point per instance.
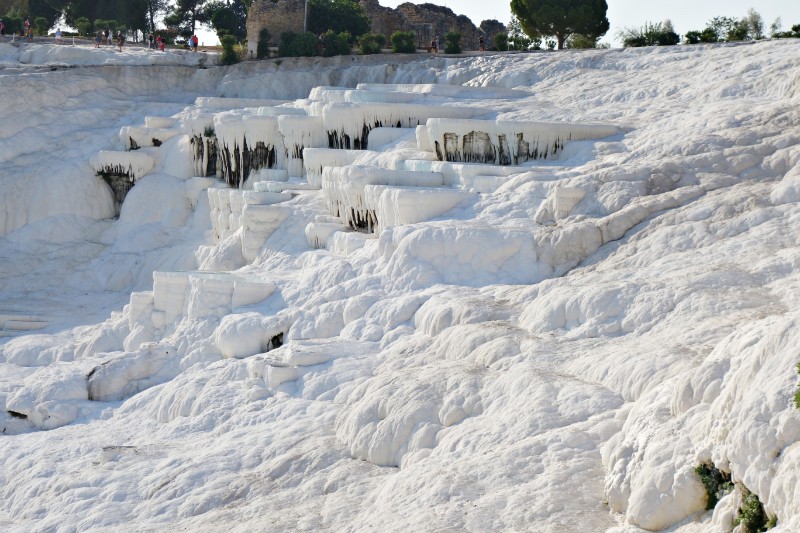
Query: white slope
555,350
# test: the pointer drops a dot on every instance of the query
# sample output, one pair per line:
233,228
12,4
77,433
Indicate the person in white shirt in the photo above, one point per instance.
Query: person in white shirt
58,35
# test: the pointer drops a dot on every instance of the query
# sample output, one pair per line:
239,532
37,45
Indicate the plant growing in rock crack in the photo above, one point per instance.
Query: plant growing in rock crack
716,482
209,131
751,514
797,392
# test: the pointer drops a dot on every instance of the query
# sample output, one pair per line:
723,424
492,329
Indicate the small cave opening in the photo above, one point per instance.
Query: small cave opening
120,183
275,342
15,414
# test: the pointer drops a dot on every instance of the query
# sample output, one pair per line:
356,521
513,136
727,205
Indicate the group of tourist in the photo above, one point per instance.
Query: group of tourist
104,37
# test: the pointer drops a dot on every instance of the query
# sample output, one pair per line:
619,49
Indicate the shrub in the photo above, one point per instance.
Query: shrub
298,45
41,25
716,482
751,514
452,43
13,24
797,393
371,43
501,41
262,50
659,34
336,44
708,35
403,42
229,55
579,41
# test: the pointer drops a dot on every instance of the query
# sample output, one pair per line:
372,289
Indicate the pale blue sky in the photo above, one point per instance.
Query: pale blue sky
686,15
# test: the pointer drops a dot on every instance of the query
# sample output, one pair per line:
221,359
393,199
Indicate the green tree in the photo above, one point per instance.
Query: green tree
186,15
229,55
562,18
755,24
337,15
49,9
230,16
519,40
131,13
154,9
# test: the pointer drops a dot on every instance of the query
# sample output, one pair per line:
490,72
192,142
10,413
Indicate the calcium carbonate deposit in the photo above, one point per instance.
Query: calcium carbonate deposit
551,292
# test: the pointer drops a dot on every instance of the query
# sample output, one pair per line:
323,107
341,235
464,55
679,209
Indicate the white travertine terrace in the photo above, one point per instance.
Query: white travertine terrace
399,206
506,142
137,136
344,189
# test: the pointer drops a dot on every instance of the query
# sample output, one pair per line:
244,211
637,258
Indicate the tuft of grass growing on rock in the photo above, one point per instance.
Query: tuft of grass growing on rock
716,482
797,392
751,514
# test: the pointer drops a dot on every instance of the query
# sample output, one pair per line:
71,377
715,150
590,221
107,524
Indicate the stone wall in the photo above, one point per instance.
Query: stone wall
277,16
425,20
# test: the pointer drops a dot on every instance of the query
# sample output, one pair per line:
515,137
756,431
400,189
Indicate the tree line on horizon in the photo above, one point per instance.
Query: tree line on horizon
581,23
535,24
171,18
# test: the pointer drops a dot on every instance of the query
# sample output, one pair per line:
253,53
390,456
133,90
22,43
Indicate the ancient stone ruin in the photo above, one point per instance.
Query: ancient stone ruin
425,20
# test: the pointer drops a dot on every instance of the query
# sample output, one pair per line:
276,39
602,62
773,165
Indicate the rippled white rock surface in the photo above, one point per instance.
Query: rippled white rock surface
553,346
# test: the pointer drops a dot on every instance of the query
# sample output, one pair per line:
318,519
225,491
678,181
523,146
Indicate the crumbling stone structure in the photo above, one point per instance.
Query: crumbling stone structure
425,20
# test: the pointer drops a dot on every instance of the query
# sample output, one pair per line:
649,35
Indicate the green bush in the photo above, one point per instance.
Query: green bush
13,24
229,55
262,50
403,42
581,42
501,42
751,514
298,45
41,25
708,35
797,393
716,482
650,35
336,44
452,43
371,43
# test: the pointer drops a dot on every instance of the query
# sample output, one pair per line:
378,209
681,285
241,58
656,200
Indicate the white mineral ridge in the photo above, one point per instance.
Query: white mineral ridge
551,346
